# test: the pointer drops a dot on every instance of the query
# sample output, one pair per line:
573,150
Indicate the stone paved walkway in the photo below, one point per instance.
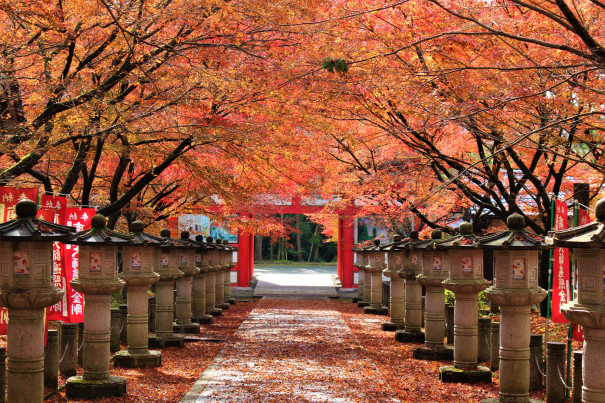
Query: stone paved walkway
295,280
292,350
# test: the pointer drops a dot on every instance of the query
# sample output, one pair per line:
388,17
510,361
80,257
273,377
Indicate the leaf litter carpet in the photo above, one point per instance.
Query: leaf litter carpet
293,350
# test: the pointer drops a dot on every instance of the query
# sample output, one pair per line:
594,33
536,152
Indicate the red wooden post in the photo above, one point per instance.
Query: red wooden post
244,256
345,254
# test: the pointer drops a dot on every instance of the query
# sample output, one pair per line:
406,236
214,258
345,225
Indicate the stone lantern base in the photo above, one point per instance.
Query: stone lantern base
497,400
175,340
187,328
444,353
392,326
363,304
407,336
372,310
124,359
460,375
203,319
77,387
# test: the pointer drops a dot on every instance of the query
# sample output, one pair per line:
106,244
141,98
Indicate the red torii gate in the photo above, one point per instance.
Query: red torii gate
345,269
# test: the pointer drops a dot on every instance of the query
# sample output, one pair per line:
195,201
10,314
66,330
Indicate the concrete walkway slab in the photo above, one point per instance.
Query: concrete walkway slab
292,351
295,280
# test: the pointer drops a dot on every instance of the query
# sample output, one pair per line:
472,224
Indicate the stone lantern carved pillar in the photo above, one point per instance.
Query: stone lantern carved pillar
397,297
360,279
165,260
198,290
228,263
435,269
26,289
374,269
412,265
365,275
588,309
98,279
465,281
186,253
137,272
208,262
219,273
516,267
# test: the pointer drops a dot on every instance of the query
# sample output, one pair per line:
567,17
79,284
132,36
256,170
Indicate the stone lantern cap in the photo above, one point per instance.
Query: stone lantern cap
200,243
210,243
374,246
228,246
465,239
514,237
27,227
99,234
410,242
169,242
591,235
436,236
140,238
392,247
186,242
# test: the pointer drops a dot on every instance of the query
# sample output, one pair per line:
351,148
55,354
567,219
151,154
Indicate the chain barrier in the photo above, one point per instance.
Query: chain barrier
562,379
538,365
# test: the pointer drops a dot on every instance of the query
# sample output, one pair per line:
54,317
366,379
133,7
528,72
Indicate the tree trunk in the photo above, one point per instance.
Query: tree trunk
298,239
258,248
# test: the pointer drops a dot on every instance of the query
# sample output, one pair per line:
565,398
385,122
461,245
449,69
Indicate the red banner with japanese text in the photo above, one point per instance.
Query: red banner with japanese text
583,218
560,265
52,208
9,196
78,217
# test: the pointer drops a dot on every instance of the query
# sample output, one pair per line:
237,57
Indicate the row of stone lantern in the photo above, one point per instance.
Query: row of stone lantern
456,264
26,289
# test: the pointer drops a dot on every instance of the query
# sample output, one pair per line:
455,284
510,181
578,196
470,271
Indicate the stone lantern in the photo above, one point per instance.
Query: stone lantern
412,266
366,291
26,289
516,267
137,272
465,281
228,262
395,255
198,290
165,258
208,264
374,269
435,269
186,253
360,280
219,273
98,279
588,309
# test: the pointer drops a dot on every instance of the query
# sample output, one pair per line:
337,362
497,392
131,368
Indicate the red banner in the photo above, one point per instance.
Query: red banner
560,265
79,218
9,196
52,208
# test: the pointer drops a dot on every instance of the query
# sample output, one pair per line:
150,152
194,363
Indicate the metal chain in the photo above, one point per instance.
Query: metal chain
562,379
80,348
64,352
538,365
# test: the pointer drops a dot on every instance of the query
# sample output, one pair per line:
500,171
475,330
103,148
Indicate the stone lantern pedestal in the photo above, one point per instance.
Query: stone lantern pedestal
397,296
413,292
137,272
374,269
166,265
211,308
26,289
516,266
219,275
183,323
588,310
366,289
228,264
97,281
360,279
465,281
198,291
435,269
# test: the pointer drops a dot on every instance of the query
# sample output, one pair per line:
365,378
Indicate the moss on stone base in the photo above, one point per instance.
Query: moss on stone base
404,336
172,341
191,328
123,359
391,326
434,354
370,310
453,374
77,387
